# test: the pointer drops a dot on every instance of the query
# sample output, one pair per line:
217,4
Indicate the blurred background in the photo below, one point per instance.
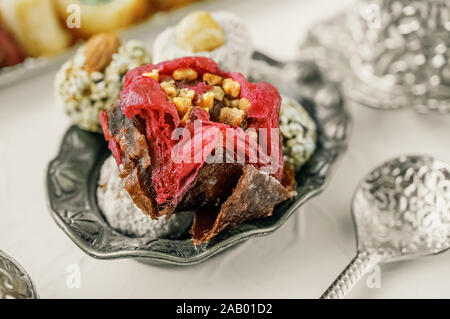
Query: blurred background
299,260
42,28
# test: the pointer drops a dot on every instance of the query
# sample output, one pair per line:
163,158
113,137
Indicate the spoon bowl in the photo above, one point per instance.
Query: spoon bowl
401,211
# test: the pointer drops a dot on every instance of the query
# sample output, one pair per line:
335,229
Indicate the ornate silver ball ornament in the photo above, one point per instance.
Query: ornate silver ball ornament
404,44
388,53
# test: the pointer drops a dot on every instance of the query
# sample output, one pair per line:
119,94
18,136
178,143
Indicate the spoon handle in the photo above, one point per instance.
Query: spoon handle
357,268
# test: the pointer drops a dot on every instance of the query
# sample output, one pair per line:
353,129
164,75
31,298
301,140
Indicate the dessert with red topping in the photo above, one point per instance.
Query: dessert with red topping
188,136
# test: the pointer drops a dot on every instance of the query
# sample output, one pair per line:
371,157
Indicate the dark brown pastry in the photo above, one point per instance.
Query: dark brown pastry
255,196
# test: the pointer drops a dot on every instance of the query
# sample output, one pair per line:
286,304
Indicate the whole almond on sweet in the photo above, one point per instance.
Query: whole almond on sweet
99,50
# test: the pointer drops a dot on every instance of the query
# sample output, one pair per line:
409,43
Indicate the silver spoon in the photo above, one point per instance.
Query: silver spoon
14,281
401,211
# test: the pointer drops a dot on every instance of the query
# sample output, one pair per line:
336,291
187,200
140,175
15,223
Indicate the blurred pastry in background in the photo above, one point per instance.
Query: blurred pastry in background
36,26
105,15
92,80
165,5
298,132
11,53
219,35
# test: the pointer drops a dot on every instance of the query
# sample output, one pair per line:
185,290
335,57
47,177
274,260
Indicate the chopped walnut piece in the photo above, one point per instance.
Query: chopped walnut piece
234,103
206,101
183,104
231,88
186,116
231,102
184,119
244,104
169,88
218,93
186,74
231,116
212,79
186,93
154,75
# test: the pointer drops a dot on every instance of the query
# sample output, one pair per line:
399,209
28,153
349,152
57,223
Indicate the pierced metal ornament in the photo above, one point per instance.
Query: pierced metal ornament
388,53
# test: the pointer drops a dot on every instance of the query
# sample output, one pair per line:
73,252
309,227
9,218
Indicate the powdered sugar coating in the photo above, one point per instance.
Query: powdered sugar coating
83,95
124,216
233,56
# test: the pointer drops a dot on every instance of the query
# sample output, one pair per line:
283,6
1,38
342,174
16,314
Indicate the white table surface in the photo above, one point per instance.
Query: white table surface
300,260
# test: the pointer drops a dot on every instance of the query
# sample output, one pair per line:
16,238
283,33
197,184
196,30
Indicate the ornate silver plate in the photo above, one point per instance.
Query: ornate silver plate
72,178
387,54
14,280
32,67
